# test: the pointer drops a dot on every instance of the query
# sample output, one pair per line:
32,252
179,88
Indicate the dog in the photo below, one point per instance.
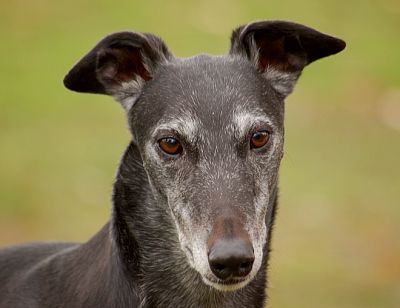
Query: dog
195,195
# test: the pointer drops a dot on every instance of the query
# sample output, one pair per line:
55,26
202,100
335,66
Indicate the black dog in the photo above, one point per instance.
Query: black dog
195,196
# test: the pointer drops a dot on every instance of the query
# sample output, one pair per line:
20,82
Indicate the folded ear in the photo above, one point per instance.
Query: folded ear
280,50
119,65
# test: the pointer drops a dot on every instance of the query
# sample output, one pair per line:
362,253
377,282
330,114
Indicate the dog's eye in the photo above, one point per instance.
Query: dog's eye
259,139
170,146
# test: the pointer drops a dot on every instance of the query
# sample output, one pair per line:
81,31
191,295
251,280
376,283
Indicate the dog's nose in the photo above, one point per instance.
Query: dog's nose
231,258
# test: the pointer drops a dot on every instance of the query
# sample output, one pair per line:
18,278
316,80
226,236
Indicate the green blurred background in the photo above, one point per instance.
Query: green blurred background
337,237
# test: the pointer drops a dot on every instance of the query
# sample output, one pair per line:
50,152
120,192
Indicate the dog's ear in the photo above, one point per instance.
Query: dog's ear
280,50
119,65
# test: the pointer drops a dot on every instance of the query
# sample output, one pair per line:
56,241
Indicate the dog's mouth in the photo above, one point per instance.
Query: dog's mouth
227,285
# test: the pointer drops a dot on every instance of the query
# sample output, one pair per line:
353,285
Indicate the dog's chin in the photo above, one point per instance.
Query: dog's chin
227,285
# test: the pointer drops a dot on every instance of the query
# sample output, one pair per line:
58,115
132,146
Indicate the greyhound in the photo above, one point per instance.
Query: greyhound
195,195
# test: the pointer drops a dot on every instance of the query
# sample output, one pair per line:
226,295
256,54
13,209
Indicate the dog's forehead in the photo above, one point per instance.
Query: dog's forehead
212,83
213,90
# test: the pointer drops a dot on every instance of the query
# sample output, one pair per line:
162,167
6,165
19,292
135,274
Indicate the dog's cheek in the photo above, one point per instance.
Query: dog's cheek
182,209
192,228
160,176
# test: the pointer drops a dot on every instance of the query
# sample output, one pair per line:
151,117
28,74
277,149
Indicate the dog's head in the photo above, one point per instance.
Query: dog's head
210,132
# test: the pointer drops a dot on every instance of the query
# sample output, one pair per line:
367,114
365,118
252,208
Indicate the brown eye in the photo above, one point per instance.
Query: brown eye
259,139
170,146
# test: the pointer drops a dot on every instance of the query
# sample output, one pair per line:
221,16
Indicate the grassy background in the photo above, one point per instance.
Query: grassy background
337,238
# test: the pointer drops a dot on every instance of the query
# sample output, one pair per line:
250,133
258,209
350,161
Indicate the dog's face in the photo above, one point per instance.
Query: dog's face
210,133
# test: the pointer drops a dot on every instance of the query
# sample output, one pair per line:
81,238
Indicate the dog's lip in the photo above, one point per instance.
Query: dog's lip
227,285
228,282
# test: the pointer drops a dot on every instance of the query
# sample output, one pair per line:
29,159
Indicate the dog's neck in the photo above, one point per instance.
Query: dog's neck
148,245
